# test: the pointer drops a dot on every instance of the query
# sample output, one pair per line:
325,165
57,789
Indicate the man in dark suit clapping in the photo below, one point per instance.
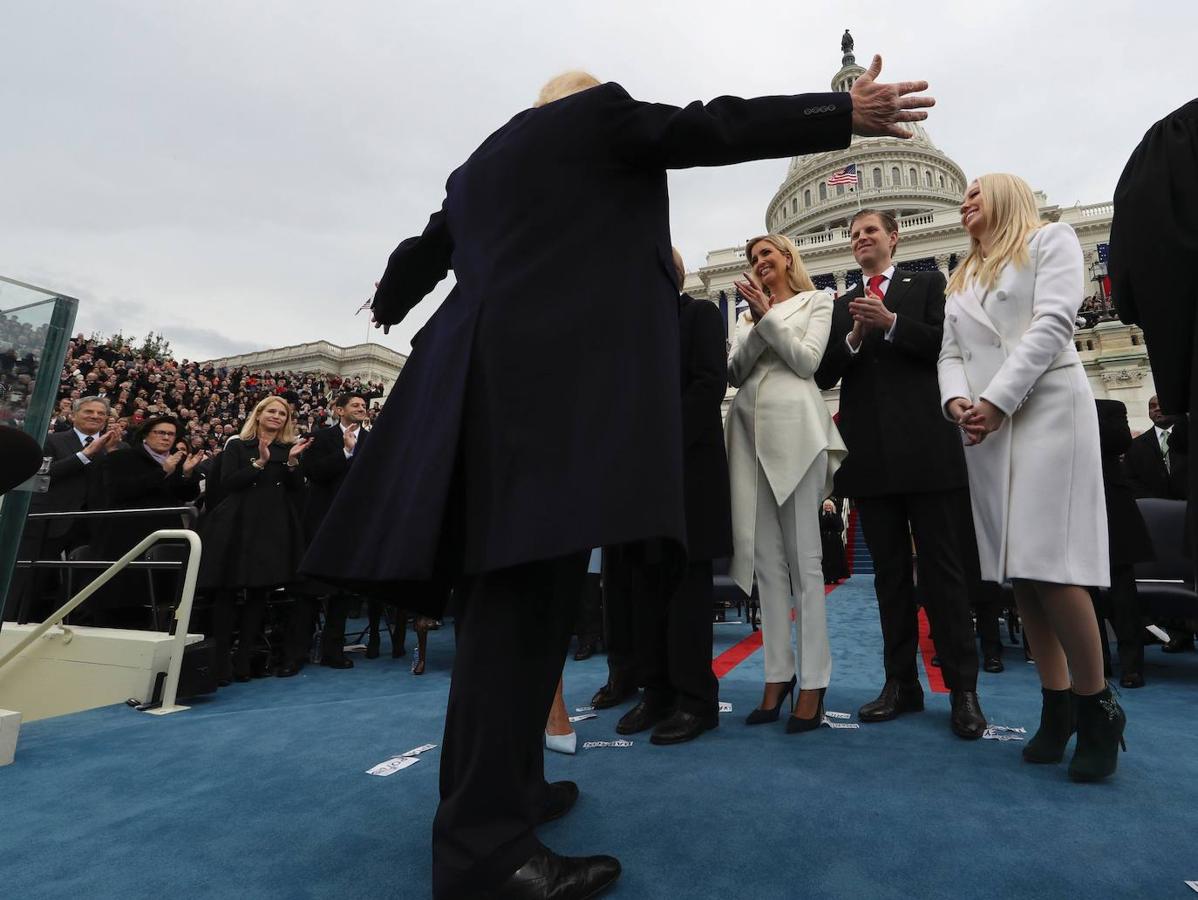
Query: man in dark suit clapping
905,469
73,457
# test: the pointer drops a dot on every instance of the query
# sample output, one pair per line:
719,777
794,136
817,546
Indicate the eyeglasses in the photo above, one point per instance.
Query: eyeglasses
160,433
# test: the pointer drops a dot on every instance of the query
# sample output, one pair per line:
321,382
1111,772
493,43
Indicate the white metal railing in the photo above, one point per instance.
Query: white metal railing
182,614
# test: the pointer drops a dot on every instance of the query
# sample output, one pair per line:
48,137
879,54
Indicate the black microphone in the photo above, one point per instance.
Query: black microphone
20,458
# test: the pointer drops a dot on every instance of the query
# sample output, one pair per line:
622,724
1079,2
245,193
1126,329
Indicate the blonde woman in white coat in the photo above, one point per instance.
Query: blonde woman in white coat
1011,378
783,449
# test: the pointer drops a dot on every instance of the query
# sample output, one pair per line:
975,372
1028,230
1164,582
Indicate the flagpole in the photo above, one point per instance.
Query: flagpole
858,188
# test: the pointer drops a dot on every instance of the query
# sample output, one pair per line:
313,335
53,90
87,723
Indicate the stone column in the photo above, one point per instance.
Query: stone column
942,264
840,276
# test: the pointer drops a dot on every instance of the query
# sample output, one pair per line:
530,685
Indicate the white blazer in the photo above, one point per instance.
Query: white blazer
778,416
1036,483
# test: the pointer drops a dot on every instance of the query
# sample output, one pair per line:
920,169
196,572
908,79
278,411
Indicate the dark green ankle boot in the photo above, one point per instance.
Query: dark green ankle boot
1100,724
1058,721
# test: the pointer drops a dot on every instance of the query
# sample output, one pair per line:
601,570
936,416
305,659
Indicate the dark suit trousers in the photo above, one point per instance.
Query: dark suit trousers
934,519
620,586
1120,605
302,625
513,627
673,640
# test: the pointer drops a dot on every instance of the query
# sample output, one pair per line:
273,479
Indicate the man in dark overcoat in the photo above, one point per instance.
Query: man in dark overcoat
1154,239
537,417
905,470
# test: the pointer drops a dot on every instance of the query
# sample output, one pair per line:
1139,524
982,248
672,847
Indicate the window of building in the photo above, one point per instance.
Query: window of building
794,204
823,191
941,182
877,178
807,197
914,179
840,190
927,177
895,178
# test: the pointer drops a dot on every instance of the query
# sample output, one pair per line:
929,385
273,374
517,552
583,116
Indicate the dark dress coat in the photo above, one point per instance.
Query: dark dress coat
705,461
1126,531
890,418
132,479
72,482
253,537
538,413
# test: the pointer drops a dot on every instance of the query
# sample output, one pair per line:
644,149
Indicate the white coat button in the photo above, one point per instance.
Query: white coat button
998,342
1001,295
968,356
952,317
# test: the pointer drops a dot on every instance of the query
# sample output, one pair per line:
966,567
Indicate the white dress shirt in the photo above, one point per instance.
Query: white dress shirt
882,288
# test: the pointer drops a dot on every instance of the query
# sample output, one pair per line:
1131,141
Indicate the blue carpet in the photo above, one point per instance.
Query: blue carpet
261,792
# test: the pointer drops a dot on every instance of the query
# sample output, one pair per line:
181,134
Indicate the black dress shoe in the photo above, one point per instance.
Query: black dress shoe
640,718
547,876
586,649
895,698
682,727
1131,680
337,662
560,797
286,670
372,648
241,677
1179,645
993,664
612,694
968,721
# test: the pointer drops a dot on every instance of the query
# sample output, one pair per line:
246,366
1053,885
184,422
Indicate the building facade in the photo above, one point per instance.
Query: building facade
372,362
922,187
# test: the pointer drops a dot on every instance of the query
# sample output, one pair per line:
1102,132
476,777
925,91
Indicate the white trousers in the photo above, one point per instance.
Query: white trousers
787,560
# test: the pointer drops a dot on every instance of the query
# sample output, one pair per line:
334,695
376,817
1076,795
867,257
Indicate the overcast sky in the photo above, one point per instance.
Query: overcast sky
234,174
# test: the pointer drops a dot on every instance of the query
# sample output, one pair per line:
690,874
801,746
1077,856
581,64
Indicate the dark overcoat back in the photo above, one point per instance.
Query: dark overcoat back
705,461
538,413
899,441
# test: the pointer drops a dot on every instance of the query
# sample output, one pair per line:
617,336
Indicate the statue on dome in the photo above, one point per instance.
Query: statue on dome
846,43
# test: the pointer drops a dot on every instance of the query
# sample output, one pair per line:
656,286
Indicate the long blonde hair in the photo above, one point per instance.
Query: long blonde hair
796,272
1012,215
286,435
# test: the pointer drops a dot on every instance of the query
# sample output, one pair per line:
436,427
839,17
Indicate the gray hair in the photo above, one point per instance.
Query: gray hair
78,404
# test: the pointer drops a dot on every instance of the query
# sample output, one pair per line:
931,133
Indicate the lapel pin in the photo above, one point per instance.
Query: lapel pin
906,279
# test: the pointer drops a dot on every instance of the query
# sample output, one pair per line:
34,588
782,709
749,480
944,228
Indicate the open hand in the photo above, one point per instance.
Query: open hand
192,461
870,312
350,438
297,448
172,462
878,108
263,451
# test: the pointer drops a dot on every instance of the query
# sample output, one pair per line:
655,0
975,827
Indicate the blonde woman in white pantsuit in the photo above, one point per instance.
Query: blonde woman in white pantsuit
783,449
1011,378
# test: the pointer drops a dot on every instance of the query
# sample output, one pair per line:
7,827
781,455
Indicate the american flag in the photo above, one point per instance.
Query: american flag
847,175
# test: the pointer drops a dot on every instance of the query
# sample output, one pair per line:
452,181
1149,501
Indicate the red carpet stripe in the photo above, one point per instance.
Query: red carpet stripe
927,650
742,650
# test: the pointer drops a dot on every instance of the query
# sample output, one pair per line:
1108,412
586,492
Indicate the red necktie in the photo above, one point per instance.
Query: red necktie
875,284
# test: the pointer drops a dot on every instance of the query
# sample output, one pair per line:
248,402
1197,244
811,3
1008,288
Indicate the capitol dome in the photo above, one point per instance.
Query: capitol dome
906,177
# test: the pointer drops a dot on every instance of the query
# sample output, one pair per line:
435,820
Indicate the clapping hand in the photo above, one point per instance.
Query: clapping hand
878,108
297,448
263,451
870,312
103,442
759,303
350,438
172,461
191,462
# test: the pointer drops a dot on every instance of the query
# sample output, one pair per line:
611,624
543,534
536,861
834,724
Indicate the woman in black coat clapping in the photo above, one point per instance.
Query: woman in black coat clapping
253,539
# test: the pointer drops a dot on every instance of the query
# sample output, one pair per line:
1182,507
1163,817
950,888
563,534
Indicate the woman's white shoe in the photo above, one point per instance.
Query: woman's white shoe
562,743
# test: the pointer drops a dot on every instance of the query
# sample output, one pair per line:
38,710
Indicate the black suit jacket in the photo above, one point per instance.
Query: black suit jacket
1154,236
72,482
325,465
705,461
1145,469
132,479
1129,539
538,413
890,418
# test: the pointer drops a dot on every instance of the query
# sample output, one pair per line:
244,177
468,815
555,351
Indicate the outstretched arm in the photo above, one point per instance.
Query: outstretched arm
413,270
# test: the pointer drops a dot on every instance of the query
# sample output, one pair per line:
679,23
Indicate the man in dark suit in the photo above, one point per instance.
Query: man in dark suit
672,636
73,458
1130,543
537,417
1156,463
905,469
1154,232
325,464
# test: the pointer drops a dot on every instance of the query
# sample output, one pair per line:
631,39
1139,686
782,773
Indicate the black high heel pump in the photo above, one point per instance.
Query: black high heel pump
761,716
796,724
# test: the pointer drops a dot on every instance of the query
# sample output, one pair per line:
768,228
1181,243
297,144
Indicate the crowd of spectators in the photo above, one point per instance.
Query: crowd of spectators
20,349
210,403
1096,309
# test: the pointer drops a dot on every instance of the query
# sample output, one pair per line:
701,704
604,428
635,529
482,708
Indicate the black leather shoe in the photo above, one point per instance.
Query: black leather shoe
896,698
586,649
967,719
1131,680
337,662
640,718
372,648
1179,645
682,727
547,876
993,664
560,797
612,694
288,669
